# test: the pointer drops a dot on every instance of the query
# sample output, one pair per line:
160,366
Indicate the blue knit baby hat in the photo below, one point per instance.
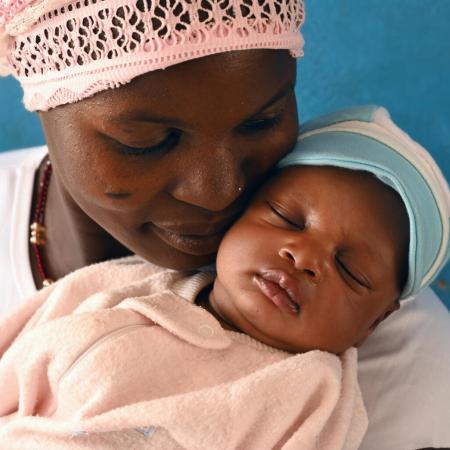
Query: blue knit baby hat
365,138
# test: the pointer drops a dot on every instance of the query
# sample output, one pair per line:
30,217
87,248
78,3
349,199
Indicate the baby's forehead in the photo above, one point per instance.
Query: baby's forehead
295,177
359,197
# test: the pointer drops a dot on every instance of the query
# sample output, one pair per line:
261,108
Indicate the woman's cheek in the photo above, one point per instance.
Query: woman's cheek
280,141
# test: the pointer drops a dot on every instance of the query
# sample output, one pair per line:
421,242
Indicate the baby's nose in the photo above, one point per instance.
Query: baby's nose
304,259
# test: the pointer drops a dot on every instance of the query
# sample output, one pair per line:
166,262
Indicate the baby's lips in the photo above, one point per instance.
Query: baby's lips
276,294
285,281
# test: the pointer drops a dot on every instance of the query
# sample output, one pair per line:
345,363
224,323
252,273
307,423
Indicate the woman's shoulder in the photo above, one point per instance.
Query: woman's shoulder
17,168
23,158
17,172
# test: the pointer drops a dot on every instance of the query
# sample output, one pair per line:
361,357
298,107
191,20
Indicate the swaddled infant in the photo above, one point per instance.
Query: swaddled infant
125,354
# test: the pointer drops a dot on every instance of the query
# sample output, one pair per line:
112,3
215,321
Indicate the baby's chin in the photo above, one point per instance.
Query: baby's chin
248,321
246,326
234,320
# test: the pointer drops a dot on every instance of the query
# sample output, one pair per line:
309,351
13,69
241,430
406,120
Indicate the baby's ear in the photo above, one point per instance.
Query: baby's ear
386,313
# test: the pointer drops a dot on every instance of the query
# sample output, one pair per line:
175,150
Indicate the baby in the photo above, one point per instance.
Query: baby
120,355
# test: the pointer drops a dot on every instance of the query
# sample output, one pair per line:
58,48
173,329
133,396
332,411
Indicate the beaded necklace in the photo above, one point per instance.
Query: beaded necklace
37,228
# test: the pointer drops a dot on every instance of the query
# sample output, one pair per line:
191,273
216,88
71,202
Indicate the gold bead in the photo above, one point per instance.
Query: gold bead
38,234
47,282
37,241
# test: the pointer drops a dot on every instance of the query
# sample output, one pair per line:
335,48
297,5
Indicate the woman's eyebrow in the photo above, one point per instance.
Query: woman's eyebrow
279,95
139,116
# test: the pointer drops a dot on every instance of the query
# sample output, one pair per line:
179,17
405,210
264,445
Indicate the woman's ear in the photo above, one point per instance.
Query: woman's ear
386,313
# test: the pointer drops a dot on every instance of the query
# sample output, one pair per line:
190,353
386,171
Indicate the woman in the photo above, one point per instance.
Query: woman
160,162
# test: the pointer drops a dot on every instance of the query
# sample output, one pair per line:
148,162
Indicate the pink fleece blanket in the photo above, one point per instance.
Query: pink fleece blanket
116,356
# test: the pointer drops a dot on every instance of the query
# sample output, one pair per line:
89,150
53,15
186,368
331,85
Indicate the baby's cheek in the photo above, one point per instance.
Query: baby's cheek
233,257
226,254
233,242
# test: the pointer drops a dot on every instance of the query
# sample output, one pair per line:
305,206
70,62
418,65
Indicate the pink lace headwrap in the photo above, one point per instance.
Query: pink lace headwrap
62,52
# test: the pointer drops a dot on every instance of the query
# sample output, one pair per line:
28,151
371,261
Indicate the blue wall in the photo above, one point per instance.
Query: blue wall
396,55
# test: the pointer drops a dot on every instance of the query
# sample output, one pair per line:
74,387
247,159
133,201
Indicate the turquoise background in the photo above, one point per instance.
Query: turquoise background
396,55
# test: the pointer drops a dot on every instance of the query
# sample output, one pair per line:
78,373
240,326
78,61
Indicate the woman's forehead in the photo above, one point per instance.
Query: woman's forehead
229,87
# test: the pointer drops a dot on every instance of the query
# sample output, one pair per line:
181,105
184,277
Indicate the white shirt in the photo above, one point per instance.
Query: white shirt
17,171
404,367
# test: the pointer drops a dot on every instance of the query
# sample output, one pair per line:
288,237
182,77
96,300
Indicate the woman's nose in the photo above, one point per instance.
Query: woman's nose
306,258
212,181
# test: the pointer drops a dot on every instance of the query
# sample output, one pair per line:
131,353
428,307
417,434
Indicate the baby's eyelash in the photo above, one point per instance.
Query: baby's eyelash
287,220
350,273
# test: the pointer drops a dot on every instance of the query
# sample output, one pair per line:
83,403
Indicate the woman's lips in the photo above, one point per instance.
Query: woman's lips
190,243
199,238
280,288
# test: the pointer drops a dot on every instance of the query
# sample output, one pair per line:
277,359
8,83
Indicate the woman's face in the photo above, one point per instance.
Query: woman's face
164,164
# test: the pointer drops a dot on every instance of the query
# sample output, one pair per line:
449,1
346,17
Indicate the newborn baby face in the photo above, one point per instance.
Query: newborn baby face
315,262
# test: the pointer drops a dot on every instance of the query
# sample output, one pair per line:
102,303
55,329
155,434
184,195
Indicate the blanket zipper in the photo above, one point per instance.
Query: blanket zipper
112,334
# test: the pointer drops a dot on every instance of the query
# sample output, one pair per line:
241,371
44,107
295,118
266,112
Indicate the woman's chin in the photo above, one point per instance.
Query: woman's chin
176,260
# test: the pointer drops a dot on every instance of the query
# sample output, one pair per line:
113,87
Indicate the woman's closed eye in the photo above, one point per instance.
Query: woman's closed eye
167,143
260,124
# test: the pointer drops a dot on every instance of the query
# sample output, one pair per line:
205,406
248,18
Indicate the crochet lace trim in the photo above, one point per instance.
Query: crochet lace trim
83,32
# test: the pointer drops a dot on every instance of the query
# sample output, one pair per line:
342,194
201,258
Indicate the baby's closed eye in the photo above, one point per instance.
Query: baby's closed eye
287,218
